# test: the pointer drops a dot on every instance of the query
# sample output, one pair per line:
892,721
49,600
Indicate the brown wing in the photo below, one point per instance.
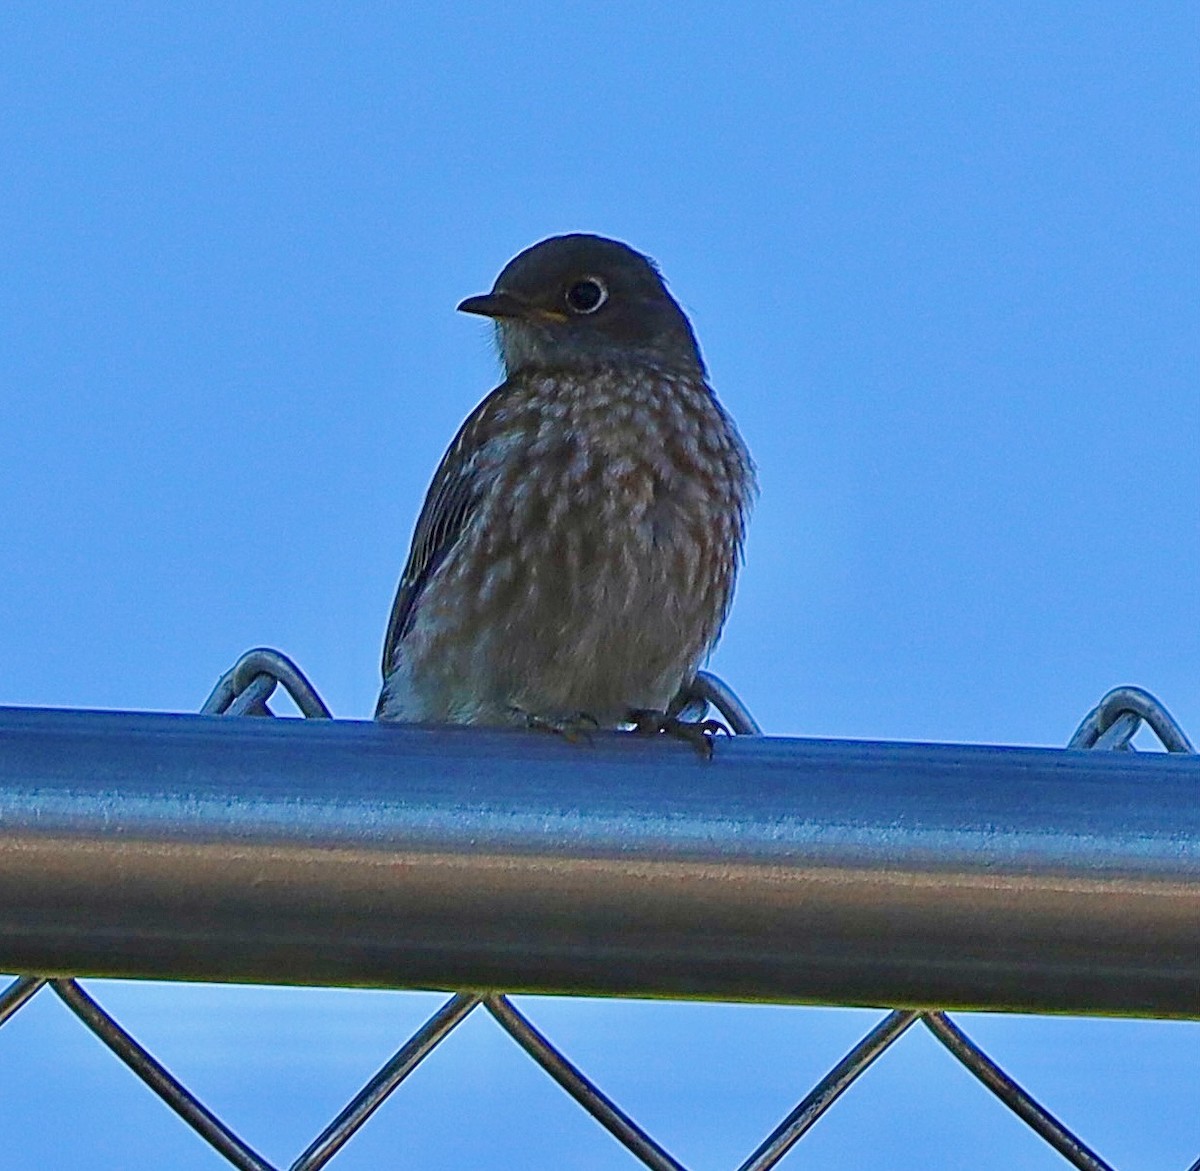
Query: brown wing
449,505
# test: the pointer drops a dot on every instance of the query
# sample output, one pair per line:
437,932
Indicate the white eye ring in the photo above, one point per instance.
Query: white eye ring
586,295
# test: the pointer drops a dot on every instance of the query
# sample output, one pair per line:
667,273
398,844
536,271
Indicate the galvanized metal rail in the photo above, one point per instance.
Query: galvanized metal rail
327,852
793,870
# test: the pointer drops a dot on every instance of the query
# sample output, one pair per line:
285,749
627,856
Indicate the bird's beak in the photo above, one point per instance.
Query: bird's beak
496,304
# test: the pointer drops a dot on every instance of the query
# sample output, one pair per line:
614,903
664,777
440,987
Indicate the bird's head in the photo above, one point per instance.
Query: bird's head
580,301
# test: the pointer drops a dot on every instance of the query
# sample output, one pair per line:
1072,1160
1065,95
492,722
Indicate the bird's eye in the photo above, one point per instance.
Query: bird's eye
586,295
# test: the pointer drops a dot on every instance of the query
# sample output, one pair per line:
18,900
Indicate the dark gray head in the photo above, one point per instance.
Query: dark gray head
582,301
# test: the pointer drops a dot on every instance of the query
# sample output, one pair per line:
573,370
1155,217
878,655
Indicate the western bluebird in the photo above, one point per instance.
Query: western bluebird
575,557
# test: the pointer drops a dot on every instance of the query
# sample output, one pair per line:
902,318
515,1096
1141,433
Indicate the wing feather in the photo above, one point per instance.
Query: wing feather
449,505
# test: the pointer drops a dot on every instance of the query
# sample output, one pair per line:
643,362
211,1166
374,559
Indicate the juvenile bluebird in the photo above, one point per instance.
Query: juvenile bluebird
575,557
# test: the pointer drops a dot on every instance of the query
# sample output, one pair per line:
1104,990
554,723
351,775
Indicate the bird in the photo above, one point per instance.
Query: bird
574,561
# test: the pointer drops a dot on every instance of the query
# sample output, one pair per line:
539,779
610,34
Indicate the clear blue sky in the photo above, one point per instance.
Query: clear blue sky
943,263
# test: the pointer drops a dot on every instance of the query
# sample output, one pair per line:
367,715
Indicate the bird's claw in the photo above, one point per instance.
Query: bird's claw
699,733
575,728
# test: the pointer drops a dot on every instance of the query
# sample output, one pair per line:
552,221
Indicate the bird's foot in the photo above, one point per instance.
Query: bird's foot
699,733
574,727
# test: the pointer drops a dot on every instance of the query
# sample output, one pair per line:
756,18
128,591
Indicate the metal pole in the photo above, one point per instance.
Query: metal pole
337,852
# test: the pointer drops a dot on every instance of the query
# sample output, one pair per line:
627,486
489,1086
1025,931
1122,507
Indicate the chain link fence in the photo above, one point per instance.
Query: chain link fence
245,691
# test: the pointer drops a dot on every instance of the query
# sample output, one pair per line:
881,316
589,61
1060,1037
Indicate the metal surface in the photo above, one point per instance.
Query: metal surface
155,1075
245,688
827,1091
1114,720
380,1087
709,688
602,1108
18,993
1035,1116
245,691
793,870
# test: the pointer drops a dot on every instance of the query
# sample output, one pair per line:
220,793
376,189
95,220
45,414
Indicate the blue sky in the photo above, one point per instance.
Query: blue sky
943,264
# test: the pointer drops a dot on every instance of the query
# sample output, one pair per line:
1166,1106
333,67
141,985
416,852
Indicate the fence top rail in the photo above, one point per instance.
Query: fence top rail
784,869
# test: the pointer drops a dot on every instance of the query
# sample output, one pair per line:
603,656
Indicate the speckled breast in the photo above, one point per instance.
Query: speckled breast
597,571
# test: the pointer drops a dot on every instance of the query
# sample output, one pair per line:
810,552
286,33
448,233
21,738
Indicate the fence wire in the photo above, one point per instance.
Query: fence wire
245,690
